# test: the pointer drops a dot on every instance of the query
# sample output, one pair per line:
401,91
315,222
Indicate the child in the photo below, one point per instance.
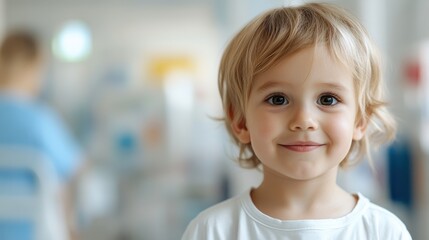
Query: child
302,96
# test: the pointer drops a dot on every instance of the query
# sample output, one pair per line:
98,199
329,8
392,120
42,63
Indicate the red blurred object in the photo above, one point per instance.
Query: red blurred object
413,73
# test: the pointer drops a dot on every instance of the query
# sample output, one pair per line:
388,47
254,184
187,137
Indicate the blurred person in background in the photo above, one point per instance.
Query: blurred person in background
27,123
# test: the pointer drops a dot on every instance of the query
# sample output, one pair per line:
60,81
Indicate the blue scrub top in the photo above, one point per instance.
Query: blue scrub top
26,123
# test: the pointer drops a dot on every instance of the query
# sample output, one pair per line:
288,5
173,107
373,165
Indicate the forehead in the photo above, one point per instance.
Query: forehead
309,65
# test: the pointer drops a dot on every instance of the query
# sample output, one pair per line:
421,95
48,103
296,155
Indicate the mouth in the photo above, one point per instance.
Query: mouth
302,146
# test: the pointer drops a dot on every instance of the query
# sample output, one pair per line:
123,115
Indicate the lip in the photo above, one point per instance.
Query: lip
302,146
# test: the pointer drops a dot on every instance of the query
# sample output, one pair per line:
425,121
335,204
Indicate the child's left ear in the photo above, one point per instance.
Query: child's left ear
360,129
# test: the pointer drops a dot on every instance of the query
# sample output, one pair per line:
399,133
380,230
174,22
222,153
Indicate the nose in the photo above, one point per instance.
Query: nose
303,119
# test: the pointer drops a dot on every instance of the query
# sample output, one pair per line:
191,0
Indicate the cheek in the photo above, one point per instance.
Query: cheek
263,130
340,131
262,126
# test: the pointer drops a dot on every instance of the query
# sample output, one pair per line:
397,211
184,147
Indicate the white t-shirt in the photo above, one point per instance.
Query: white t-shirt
238,218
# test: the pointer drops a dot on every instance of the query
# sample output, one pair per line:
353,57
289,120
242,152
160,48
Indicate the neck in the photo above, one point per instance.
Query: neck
23,87
285,198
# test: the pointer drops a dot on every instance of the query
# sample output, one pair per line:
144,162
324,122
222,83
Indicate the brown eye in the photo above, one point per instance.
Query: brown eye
277,100
327,100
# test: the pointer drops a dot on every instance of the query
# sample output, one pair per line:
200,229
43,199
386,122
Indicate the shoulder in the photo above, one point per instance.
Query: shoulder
43,111
381,216
25,109
218,219
23,119
383,222
220,212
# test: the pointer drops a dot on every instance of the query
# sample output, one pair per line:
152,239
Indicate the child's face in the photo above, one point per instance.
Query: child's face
301,115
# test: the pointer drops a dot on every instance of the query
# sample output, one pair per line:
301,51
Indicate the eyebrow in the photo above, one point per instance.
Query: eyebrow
270,84
336,86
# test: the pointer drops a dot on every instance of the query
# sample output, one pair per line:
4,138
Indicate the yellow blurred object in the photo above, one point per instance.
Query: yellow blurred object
160,67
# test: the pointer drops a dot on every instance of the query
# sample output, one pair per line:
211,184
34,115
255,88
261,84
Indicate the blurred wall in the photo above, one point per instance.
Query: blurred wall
2,17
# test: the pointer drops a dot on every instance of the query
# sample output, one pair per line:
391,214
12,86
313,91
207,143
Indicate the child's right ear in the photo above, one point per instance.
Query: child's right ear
238,126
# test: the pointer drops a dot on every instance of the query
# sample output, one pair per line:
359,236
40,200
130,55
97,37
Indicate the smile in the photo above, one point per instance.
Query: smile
302,147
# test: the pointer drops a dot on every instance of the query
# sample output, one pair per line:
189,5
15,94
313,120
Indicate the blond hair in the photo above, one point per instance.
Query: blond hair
280,32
